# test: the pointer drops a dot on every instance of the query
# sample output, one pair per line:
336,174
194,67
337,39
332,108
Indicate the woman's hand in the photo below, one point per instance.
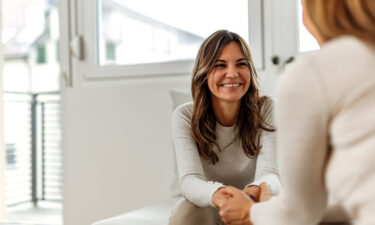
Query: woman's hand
218,198
236,209
235,204
253,191
265,192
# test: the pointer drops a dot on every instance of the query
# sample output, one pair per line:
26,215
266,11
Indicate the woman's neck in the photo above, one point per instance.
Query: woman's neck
226,113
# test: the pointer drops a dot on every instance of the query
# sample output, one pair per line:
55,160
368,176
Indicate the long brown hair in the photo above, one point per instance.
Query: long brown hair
250,121
335,18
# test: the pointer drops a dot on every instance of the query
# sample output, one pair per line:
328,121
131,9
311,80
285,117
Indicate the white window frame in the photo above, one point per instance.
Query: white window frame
285,31
81,25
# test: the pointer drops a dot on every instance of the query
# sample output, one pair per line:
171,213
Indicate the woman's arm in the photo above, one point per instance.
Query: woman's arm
268,168
302,119
193,183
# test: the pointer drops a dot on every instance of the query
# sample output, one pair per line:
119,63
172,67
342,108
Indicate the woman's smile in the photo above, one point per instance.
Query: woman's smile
230,85
230,78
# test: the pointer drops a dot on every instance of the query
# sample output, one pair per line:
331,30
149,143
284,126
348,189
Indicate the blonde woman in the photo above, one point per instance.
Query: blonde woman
225,136
326,122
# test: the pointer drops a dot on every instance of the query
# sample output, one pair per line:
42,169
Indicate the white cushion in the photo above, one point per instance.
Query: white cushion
180,96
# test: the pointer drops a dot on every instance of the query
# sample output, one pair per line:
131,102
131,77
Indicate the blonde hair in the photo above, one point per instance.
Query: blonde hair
334,18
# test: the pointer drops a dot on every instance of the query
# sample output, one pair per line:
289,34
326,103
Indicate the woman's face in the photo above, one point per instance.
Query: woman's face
230,78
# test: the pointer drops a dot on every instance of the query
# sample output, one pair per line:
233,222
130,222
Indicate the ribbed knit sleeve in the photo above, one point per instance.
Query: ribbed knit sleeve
193,182
267,167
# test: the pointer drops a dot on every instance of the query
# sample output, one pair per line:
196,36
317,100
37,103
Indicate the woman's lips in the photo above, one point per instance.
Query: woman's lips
230,85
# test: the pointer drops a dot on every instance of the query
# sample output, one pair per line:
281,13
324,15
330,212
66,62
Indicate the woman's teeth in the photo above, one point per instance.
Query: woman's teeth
231,85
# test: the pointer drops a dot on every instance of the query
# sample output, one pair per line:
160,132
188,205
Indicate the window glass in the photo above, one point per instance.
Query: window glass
41,54
148,31
306,41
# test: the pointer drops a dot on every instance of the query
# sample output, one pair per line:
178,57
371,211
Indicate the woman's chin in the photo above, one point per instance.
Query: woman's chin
232,99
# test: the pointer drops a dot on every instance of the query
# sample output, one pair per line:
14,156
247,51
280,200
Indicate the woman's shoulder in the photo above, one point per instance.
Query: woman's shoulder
183,111
268,104
267,107
343,50
346,46
320,71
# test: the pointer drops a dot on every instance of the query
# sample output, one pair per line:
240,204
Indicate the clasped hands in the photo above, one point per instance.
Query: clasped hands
235,204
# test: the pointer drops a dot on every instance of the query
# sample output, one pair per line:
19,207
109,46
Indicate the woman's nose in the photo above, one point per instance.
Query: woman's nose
231,72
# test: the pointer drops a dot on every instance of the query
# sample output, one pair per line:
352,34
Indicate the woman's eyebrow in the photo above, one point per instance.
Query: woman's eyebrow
241,59
222,60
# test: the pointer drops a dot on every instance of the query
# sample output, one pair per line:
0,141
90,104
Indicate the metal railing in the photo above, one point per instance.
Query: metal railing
32,130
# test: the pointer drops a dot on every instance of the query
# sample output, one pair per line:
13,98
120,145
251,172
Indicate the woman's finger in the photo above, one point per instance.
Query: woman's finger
253,192
265,192
232,191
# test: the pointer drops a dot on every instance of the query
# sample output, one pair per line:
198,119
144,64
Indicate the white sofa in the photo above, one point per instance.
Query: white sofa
156,214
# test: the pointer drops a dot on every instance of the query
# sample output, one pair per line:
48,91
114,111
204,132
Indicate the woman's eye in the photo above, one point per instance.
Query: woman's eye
243,64
220,65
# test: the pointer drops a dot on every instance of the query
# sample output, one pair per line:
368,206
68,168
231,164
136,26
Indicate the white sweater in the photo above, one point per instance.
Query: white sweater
200,179
325,116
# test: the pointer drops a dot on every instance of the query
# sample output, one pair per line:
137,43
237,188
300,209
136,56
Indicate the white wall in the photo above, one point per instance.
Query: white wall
118,149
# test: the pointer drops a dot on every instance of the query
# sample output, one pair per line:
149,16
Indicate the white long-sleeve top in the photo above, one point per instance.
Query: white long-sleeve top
325,116
199,179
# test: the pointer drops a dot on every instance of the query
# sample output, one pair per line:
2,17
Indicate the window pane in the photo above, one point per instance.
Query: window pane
148,31
306,41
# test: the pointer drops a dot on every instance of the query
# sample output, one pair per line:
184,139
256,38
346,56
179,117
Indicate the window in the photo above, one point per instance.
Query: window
138,33
289,36
145,37
31,180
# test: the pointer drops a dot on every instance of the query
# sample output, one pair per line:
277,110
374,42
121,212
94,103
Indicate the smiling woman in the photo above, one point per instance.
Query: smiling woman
225,137
228,106
229,80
